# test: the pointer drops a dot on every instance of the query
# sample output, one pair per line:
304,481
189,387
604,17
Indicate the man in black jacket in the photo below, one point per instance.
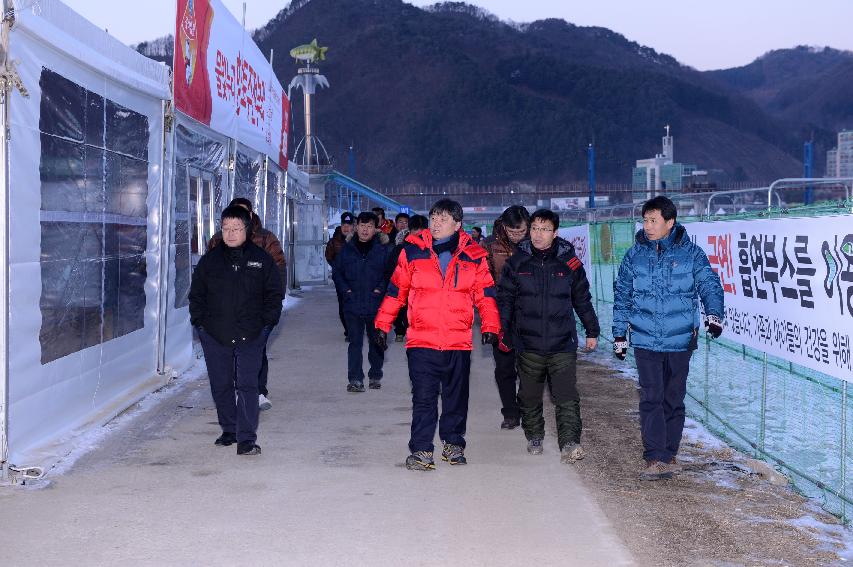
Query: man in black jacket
541,285
235,301
359,273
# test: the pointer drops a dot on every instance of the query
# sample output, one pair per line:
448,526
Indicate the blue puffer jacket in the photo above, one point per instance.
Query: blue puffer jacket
361,278
658,289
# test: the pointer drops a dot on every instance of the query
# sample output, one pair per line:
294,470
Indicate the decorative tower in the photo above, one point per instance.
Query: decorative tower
310,155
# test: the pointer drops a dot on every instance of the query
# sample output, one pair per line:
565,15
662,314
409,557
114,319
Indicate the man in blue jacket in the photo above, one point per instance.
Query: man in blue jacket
359,274
656,295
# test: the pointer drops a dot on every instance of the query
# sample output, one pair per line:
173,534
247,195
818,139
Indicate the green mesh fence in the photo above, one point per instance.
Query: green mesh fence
793,417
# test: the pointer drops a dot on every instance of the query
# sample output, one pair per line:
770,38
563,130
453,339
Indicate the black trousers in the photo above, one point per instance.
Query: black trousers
341,311
663,385
437,373
560,371
262,378
235,370
358,326
506,377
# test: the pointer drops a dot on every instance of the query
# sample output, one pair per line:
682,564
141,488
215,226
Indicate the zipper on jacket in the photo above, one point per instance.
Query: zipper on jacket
456,275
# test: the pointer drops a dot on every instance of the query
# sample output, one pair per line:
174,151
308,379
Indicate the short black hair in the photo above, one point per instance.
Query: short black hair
660,203
478,229
238,212
514,216
546,215
418,222
379,211
365,217
402,216
448,206
241,201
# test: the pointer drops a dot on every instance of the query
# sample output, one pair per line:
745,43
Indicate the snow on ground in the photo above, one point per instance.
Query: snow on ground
731,463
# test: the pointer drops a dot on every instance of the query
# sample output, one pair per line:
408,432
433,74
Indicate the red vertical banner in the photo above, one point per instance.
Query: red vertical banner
191,77
285,132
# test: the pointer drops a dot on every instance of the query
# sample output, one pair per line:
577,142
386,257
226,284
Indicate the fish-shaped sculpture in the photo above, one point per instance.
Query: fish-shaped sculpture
309,52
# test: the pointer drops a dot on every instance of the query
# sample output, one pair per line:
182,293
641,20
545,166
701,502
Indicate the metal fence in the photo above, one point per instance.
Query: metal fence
798,419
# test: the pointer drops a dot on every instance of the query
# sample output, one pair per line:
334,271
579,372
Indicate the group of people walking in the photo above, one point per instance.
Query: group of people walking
424,277
530,290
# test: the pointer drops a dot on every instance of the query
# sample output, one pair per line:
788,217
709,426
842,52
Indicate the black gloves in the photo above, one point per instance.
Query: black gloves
713,326
381,339
490,339
620,347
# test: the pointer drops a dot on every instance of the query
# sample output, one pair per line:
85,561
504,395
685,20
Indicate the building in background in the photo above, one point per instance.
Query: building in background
646,177
839,160
832,163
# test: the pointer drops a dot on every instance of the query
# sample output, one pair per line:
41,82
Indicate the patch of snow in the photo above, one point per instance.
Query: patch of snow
835,537
93,439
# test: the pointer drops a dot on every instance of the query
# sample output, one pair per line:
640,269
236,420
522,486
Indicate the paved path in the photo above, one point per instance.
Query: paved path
329,489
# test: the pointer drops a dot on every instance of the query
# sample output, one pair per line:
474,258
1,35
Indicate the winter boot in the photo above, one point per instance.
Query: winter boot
420,461
453,454
534,446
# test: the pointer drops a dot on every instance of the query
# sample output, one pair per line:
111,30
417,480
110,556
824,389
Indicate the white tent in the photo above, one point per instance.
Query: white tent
107,198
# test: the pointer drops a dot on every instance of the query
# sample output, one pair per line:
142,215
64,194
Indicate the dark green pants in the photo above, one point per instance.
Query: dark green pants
559,370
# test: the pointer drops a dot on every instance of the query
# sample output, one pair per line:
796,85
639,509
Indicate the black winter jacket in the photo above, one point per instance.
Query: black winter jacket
234,296
537,296
361,278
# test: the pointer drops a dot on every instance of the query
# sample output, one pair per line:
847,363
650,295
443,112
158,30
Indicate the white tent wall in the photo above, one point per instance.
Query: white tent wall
85,189
198,162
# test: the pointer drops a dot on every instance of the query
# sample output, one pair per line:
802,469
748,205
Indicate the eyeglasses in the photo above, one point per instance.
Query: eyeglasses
541,229
516,231
233,230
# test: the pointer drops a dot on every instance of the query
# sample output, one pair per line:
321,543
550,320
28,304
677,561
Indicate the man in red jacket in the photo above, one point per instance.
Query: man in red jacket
441,274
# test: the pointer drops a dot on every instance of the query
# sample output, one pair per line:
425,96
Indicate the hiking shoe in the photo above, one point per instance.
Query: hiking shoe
571,452
656,470
248,448
375,384
453,454
510,423
399,338
534,446
264,403
420,461
226,439
674,466
356,387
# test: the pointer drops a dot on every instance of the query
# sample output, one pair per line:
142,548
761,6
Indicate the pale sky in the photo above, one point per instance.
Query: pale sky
706,34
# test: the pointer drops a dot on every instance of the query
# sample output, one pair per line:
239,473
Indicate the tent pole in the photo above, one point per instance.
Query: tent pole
5,93
166,161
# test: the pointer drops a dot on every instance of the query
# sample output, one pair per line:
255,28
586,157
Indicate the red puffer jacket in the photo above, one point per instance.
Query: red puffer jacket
441,310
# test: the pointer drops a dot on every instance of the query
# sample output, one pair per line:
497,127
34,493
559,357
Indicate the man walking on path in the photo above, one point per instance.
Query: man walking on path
511,229
656,295
268,242
442,274
359,274
542,286
333,248
413,226
235,301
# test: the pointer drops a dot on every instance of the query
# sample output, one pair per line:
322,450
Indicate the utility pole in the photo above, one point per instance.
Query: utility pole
808,158
590,174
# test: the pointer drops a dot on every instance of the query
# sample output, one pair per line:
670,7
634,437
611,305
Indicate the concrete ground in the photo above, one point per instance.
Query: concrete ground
329,489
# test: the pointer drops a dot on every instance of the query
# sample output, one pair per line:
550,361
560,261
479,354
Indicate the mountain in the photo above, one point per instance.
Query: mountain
806,88
452,94
801,85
